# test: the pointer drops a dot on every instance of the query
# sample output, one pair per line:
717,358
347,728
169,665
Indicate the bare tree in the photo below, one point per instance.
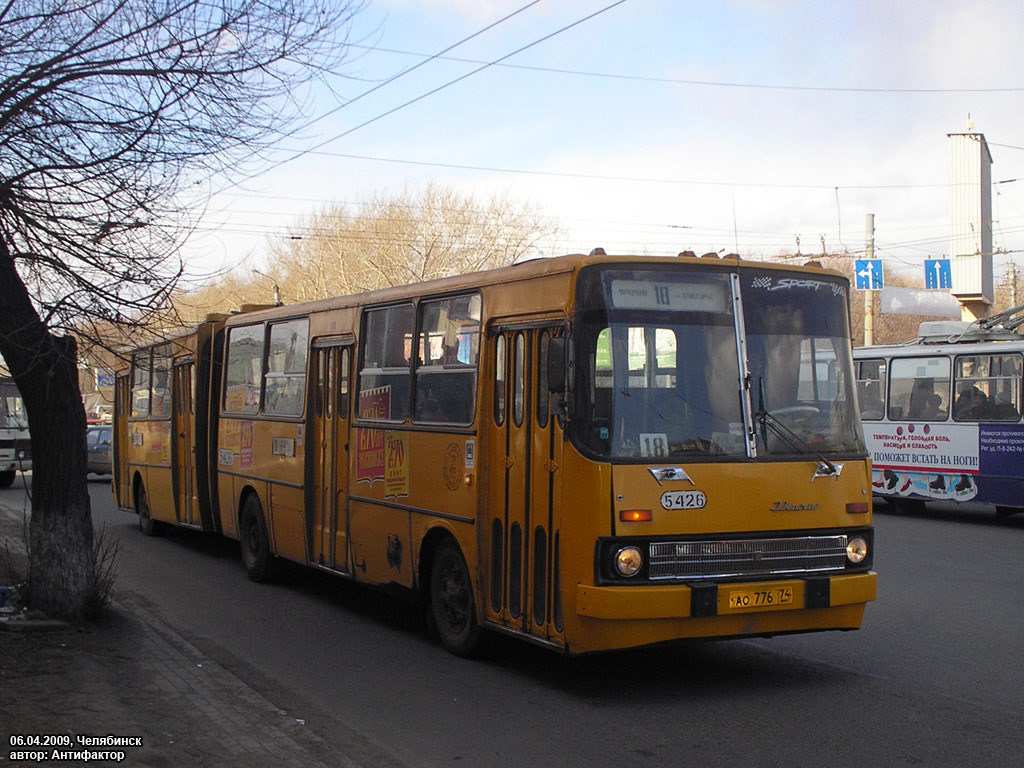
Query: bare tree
410,238
117,117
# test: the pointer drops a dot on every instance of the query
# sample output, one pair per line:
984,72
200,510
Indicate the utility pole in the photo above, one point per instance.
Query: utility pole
869,295
1012,269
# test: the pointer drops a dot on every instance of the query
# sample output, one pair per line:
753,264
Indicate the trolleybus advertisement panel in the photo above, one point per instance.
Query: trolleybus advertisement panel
942,461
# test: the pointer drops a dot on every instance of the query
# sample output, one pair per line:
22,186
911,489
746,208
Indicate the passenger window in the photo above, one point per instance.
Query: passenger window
384,379
160,392
519,380
988,388
871,389
499,380
242,381
919,389
285,380
446,353
140,383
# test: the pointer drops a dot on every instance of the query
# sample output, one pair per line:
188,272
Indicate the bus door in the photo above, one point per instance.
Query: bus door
122,440
327,456
523,590
184,457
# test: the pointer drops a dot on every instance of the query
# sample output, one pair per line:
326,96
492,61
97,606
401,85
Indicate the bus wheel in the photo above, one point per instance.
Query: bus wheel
451,601
260,564
147,524
907,506
7,479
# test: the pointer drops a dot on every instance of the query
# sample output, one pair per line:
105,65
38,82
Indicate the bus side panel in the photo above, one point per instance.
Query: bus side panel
380,541
273,451
442,483
287,522
585,516
153,440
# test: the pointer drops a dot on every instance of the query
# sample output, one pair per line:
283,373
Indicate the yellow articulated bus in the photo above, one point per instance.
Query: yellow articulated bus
589,452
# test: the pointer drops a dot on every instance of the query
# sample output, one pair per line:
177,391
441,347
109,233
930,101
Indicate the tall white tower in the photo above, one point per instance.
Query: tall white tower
970,221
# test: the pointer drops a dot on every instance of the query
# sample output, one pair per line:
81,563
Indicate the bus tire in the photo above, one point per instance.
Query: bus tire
260,564
147,524
7,479
452,606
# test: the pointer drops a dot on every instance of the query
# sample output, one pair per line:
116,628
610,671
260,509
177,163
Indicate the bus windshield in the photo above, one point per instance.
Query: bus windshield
13,415
660,374
797,332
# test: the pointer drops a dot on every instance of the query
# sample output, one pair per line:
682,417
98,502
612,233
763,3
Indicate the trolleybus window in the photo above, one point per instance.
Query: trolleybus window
919,389
987,387
871,388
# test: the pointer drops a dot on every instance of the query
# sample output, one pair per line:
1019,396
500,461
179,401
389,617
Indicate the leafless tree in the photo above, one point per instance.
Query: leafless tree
403,239
117,118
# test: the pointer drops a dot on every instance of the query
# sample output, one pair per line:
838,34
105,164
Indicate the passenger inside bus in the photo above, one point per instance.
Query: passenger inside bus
925,404
970,403
870,400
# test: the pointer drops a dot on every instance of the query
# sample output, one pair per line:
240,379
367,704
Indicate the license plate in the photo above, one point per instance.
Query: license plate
760,599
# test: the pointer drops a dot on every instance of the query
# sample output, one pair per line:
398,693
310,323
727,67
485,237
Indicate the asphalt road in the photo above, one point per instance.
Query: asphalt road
935,677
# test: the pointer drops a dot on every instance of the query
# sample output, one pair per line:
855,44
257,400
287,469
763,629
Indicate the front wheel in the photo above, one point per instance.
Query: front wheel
260,563
7,479
451,601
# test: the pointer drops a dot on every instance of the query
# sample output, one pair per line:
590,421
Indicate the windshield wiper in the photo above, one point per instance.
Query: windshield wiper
768,422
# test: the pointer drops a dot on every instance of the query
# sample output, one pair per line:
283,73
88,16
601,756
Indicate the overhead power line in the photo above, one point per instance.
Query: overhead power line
640,179
707,83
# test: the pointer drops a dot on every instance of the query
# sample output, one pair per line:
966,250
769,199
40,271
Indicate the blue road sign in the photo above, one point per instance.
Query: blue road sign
869,274
937,274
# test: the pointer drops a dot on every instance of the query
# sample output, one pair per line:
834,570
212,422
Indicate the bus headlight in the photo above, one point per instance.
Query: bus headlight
629,561
856,550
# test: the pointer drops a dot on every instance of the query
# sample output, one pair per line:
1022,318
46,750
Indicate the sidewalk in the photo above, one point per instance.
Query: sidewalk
131,676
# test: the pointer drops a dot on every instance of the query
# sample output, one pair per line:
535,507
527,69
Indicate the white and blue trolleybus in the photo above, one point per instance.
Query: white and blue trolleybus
942,414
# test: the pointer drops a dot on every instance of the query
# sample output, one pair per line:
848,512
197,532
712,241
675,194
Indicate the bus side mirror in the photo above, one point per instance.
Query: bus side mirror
556,364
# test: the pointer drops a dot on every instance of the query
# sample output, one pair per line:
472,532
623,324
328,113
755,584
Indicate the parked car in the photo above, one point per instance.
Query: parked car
97,446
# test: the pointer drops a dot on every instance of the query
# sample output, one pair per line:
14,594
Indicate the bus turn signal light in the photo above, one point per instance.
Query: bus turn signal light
636,515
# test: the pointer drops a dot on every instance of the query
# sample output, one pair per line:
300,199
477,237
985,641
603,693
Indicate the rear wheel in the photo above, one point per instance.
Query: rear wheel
7,479
147,524
907,506
260,563
451,601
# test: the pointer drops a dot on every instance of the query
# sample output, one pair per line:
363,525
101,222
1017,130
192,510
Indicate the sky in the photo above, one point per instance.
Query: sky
657,126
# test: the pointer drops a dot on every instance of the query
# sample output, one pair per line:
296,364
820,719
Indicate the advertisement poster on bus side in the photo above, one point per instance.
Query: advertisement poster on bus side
943,461
370,446
396,473
924,447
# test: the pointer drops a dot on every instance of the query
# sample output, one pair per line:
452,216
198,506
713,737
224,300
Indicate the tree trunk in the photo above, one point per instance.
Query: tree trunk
45,368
